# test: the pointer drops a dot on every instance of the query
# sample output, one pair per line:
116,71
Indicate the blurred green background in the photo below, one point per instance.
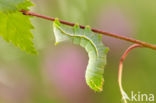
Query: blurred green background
57,74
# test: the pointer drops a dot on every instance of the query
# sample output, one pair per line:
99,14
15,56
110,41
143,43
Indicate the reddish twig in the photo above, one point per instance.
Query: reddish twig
124,95
94,30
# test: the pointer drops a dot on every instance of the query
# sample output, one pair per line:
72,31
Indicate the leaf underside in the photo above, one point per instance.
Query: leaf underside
8,6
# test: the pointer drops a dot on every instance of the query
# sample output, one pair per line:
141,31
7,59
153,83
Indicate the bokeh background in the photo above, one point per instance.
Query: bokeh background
57,74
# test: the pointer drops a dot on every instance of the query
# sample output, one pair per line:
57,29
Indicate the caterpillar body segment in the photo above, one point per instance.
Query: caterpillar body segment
94,47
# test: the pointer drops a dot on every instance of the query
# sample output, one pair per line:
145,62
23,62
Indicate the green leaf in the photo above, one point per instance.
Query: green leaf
14,5
15,28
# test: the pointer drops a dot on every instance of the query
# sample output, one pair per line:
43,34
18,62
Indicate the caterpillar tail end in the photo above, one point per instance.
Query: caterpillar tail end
95,84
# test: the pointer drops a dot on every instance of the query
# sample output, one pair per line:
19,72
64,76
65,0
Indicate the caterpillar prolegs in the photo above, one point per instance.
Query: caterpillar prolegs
94,47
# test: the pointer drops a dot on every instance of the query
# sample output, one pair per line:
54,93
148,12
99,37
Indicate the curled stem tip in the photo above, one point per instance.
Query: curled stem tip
123,93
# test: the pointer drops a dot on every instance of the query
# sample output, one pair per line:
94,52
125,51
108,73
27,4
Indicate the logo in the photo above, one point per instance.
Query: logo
141,97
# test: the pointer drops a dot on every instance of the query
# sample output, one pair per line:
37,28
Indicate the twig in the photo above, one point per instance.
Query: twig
94,30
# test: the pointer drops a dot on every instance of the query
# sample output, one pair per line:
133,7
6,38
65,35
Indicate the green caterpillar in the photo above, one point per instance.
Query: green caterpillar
94,47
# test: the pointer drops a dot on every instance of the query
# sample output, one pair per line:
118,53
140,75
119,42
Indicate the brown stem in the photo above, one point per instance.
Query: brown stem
94,30
123,93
